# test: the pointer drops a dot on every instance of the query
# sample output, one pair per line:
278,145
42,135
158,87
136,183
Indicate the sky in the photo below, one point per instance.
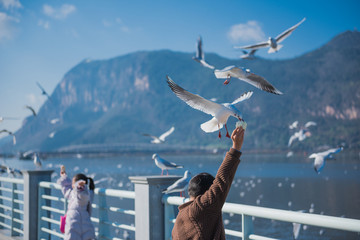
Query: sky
40,41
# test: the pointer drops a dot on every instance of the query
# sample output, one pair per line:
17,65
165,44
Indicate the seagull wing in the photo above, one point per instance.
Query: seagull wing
332,151
255,46
244,96
31,109
292,138
199,52
310,123
281,37
205,64
261,83
319,163
167,133
195,101
43,91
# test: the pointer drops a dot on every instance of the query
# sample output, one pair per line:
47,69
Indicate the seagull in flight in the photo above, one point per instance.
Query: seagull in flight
300,135
37,160
273,43
163,164
249,55
161,138
220,112
294,125
10,133
309,124
247,76
43,91
180,185
320,158
200,56
31,109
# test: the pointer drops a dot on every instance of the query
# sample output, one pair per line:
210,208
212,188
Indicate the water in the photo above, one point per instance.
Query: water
261,180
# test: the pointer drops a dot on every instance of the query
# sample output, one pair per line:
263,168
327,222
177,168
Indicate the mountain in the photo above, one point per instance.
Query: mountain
112,102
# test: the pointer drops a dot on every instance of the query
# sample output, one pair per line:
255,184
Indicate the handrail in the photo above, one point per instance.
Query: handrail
339,223
12,180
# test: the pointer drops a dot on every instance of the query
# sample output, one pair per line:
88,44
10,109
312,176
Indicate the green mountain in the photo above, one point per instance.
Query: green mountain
112,102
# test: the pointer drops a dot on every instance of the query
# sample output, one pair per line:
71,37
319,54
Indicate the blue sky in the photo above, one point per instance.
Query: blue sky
42,40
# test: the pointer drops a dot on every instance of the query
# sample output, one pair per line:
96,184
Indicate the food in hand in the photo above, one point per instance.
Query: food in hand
242,124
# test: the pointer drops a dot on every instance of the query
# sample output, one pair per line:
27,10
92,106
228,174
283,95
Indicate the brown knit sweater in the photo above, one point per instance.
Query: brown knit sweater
202,218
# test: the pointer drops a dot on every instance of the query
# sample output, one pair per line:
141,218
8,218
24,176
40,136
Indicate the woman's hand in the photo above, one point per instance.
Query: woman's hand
237,137
62,171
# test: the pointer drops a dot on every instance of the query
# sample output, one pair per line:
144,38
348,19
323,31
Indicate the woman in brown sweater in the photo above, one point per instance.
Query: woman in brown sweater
201,217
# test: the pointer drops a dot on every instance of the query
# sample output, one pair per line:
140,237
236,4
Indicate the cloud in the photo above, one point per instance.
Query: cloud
10,4
58,13
245,32
6,26
44,24
117,23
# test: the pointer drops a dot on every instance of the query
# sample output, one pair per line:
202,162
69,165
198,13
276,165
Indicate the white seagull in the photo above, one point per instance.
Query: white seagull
180,185
247,76
220,112
37,160
200,56
294,125
10,133
309,124
248,55
161,138
320,158
300,135
163,164
273,43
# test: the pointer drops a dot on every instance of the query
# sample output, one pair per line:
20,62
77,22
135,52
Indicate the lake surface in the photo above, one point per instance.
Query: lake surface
267,180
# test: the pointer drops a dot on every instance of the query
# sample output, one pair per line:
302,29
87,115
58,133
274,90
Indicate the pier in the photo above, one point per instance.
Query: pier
31,206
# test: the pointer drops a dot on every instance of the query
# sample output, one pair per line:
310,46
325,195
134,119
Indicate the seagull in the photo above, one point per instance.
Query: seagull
200,56
180,185
300,135
247,76
55,120
297,227
320,158
220,112
3,169
37,160
162,137
273,43
10,133
43,91
294,125
163,164
52,134
310,123
7,118
31,109
13,171
248,55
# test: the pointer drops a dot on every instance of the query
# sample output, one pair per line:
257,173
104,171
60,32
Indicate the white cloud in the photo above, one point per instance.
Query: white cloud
245,32
8,4
6,26
44,24
117,23
59,13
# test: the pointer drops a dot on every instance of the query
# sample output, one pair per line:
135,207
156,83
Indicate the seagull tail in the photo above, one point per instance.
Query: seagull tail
272,50
211,125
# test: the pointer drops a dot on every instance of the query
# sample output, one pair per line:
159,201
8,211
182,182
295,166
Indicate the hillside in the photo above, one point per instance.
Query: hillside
114,101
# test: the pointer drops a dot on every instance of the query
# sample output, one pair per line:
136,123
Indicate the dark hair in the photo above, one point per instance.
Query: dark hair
199,184
81,176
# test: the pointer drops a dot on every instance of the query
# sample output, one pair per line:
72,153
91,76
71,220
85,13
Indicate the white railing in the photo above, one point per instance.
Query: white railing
248,212
51,205
12,205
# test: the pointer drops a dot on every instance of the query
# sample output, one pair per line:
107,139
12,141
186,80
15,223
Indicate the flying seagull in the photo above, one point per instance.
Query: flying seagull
200,56
43,91
309,124
162,137
294,125
248,55
163,164
320,158
273,43
31,109
300,135
10,133
247,76
180,185
220,112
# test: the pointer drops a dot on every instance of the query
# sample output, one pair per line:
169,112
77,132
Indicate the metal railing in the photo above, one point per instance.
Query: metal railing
247,213
12,205
51,205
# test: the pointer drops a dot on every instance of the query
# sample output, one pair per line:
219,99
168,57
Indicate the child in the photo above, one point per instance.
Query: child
78,225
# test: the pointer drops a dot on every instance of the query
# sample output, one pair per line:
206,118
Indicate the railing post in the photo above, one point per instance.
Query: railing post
104,229
31,194
14,215
1,209
169,214
247,226
149,209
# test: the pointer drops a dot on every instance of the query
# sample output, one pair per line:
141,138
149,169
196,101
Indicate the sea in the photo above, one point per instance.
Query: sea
266,180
